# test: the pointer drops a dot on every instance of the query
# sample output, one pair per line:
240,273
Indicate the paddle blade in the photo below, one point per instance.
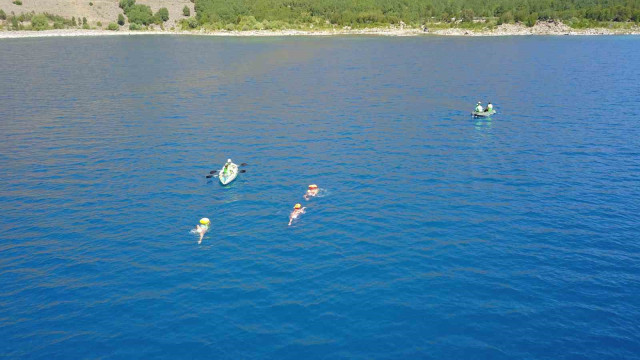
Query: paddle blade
244,164
243,171
212,171
209,176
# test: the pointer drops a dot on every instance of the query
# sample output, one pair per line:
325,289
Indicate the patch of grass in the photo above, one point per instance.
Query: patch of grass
17,2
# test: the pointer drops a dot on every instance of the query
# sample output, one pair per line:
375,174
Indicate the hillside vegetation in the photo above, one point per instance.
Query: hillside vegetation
307,14
363,13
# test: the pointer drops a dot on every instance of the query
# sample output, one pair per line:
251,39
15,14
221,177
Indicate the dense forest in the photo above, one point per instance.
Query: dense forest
362,13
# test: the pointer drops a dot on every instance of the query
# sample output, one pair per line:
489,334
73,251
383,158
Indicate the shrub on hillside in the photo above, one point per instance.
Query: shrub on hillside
120,19
139,14
3,15
112,26
467,15
162,15
39,22
505,18
135,26
18,2
124,4
58,25
186,11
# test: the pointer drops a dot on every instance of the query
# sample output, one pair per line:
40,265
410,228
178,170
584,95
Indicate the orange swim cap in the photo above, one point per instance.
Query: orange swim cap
313,186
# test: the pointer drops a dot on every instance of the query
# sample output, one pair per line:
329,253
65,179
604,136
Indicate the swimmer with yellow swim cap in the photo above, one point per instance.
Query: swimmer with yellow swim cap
297,210
202,228
311,192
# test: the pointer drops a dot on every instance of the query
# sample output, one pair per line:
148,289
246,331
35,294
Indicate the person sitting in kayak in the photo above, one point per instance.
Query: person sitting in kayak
297,210
225,169
311,192
489,107
479,107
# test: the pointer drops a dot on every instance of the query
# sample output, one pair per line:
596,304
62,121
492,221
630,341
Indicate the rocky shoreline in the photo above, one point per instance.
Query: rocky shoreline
541,28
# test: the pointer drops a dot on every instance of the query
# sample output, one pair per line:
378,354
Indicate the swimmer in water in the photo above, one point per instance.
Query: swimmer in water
311,192
203,228
297,210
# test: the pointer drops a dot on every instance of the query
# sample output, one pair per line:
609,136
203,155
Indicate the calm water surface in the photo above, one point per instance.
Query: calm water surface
437,237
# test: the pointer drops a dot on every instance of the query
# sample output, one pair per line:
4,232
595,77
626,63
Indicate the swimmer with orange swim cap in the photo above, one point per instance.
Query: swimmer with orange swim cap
297,211
311,192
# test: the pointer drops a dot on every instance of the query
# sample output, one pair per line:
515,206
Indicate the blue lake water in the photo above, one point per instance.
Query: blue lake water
438,236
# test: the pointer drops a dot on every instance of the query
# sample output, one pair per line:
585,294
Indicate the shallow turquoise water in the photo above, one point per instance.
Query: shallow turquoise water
438,236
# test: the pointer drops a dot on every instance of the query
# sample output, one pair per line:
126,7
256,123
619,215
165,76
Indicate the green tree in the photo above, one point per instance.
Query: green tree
505,18
467,15
112,26
139,14
125,4
186,11
120,19
73,21
162,15
3,15
39,22
84,21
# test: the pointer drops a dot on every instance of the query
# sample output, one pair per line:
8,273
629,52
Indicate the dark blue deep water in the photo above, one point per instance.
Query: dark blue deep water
437,236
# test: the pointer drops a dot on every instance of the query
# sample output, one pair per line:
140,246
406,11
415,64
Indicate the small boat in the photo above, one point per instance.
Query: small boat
232,172
483,114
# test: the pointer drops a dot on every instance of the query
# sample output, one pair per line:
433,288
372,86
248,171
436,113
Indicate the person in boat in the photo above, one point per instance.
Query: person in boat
311,192
297,211
489,107
202,228
479,107
225,169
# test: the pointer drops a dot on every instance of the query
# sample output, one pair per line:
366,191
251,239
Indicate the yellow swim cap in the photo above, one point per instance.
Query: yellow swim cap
298,206
204,221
